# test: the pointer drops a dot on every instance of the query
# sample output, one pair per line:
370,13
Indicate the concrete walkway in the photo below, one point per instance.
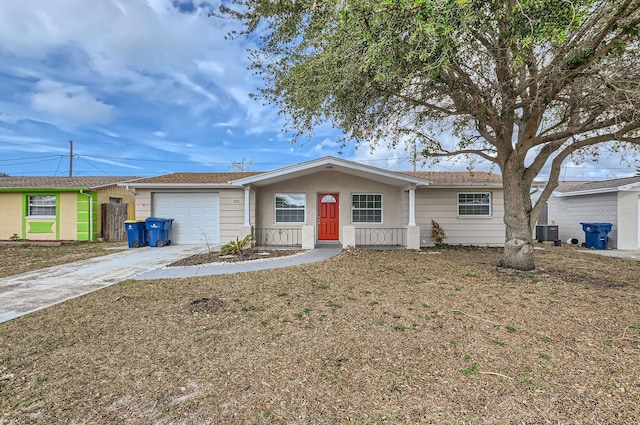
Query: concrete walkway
27,292
310,256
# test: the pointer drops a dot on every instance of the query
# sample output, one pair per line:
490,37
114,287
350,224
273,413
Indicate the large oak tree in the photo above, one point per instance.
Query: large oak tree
523,84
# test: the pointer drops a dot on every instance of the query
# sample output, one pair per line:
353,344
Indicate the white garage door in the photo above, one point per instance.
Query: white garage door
196,216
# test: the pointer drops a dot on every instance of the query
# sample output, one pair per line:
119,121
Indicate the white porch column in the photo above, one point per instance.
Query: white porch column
349,236
247,209
412,207
413,231
413,237
308,237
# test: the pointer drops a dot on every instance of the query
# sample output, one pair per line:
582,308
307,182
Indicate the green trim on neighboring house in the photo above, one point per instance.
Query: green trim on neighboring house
83,225
39,225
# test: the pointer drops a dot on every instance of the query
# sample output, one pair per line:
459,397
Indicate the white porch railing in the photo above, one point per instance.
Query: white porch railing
377,236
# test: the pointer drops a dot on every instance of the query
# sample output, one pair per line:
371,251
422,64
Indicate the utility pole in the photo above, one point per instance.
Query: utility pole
70,158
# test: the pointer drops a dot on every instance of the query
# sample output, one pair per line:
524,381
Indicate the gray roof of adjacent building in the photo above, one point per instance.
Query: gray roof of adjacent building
88,182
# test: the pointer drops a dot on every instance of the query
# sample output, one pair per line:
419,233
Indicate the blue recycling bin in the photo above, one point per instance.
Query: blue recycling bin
596,234
136,233
158,230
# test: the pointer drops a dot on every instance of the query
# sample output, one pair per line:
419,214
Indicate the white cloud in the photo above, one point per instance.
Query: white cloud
70,101
131,47
210,67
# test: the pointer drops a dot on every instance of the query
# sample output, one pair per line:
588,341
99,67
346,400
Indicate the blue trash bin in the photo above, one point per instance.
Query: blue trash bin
158,230
596,235
136,233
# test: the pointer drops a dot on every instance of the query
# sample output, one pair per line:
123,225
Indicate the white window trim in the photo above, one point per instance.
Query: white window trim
275,208
367,222
43,216
458,204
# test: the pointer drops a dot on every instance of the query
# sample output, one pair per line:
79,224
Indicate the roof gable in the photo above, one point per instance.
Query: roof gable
335,164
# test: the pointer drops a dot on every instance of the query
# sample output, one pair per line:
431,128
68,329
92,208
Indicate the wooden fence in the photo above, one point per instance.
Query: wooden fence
113,217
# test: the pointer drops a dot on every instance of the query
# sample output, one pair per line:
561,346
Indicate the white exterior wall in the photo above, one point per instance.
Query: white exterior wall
628,220
569,211
441,205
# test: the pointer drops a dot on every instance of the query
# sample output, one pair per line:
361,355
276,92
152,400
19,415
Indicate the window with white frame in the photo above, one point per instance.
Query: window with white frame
42,205
290,207
474,204
366,208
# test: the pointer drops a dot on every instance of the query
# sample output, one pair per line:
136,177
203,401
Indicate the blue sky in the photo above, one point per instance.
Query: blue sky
148,87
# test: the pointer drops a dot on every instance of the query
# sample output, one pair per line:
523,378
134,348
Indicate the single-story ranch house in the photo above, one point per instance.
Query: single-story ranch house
614,201
326,201
58,208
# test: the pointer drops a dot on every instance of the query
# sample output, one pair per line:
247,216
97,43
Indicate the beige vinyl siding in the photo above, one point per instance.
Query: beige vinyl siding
11,213
232,213
331,182
569,211
231,209
143,204
441,205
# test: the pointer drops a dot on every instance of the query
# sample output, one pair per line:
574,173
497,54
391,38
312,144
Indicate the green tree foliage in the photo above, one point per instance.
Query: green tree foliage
520,83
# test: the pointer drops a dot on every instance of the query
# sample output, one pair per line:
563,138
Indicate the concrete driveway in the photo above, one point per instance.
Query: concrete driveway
626,254
27,292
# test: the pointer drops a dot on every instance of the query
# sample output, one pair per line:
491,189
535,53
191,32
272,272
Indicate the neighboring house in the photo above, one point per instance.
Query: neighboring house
58,208
328,200
614,201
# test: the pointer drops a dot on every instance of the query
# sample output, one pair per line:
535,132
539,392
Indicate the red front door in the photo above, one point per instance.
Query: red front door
328,217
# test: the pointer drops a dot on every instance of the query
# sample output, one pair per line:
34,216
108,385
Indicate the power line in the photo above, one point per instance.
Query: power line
31,157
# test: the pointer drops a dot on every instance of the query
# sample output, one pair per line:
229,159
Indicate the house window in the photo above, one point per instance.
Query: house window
474,204
42,205
366,208
290,207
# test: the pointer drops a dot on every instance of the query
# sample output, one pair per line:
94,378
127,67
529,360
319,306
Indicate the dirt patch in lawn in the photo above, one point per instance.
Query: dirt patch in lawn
367,337
215,257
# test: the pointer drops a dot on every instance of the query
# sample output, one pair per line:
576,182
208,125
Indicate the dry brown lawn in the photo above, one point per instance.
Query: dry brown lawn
368,337
20,257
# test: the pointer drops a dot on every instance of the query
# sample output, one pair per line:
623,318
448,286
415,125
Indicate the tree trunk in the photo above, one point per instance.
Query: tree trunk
518,247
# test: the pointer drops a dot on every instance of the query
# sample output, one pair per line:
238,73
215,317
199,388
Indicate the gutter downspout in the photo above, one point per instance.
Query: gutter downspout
88,195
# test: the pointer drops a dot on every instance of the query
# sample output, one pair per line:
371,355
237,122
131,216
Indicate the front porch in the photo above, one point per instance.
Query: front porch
305,237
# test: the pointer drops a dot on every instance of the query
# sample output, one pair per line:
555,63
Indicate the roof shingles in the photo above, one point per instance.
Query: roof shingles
456,177
580,186
60,182
195,178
